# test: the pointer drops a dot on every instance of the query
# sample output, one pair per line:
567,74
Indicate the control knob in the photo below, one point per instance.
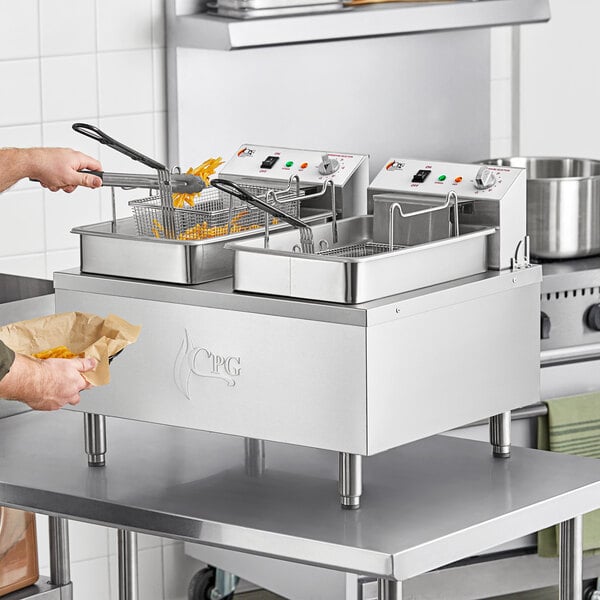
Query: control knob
484,179
545,326
592,317
328,165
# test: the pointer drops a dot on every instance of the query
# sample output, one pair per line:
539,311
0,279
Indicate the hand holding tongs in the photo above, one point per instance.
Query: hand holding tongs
190,184
306,235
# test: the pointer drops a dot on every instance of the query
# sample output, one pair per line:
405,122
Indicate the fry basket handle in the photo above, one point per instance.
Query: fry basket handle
98,135
397,206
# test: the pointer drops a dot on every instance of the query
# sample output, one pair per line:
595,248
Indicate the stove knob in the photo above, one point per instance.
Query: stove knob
545,326
484,179
328,165
592,317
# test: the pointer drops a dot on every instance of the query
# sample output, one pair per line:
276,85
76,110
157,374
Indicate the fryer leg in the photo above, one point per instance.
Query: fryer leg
60,564
255,457
500,434
389,590
570,577
350,480
128,565
95,439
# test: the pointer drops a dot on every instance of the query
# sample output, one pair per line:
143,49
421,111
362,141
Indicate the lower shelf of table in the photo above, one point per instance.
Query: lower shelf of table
425,505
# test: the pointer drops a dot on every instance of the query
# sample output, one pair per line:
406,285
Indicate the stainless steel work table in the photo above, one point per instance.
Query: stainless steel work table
426,504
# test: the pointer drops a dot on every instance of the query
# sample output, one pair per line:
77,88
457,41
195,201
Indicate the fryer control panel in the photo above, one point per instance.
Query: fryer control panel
311,166
469,181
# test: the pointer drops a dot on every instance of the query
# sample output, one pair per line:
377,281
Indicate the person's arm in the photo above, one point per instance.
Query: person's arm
45,384
55,168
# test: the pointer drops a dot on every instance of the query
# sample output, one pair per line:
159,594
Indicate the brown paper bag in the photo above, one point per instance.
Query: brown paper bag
82,333
18,550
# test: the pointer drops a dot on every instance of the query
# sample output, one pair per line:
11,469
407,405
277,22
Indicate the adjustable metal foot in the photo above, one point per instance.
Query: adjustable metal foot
350,480
95,439
500,434
128,565
570,578
389,590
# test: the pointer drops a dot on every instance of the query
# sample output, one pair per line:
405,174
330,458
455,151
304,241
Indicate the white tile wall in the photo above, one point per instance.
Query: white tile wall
20,98
18,29
69,87
59,16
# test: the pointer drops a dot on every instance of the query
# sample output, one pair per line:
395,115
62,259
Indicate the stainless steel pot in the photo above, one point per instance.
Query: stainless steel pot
563,205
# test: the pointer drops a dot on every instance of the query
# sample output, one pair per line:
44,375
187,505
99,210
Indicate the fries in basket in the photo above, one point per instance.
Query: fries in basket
205,170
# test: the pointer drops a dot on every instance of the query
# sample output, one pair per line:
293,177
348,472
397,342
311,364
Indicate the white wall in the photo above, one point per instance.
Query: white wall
501,74
559,87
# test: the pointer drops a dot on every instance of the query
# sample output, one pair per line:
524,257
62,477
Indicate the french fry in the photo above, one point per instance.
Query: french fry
57,352
204,171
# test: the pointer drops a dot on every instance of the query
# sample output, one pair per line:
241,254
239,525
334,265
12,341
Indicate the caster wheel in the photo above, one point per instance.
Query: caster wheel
590,592
202,584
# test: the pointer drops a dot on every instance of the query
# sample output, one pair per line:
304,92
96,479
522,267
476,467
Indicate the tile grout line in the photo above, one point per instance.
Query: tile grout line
72,54
41,130
108,116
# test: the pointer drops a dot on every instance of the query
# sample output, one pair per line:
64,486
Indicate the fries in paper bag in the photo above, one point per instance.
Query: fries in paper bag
83,334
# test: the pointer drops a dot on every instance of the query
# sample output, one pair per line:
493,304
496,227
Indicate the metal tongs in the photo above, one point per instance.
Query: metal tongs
180,183
164,181
306,234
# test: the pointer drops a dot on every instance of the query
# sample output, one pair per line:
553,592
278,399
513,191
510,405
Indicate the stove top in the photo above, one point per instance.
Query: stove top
570,303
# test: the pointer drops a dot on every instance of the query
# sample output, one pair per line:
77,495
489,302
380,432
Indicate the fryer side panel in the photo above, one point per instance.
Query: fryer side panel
275,378
424,379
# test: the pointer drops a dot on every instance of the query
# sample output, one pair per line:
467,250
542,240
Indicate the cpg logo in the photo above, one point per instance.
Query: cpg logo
245,152
395,165
197,361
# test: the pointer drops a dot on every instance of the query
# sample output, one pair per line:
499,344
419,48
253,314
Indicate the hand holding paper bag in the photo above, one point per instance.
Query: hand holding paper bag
87,335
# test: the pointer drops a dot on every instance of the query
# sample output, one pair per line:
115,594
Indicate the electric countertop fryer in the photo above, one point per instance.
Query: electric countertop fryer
414,310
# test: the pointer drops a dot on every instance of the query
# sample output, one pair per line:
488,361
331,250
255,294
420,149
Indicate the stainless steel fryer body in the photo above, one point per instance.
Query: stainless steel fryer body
359,379
123,253
279,271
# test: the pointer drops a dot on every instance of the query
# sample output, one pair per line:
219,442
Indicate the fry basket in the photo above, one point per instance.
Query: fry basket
215,213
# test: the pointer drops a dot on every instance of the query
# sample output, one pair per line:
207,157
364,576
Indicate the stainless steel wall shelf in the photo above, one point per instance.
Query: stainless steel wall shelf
217,33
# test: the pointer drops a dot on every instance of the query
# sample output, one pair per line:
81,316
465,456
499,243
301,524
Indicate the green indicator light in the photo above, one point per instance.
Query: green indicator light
289,163
442,178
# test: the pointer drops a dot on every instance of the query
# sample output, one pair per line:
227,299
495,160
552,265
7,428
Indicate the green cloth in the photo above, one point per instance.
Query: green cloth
572,426
7,357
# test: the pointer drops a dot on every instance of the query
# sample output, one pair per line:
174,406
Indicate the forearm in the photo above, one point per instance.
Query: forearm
55,168
23,381
15,164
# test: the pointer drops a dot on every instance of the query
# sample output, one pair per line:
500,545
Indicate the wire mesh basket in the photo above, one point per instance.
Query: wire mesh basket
214,214
358,250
